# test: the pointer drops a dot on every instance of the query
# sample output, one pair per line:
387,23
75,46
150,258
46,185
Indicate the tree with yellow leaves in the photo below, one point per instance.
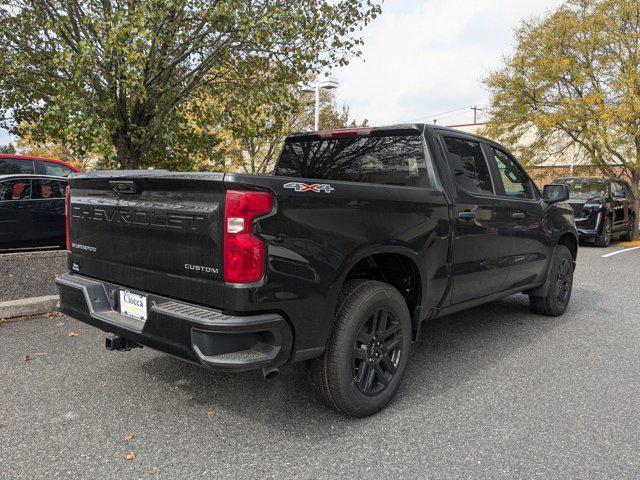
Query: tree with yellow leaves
574,80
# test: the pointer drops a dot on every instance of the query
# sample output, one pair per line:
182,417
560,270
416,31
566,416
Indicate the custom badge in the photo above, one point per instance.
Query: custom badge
310,187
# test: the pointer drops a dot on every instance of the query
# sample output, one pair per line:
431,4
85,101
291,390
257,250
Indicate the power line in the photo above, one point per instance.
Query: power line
426,117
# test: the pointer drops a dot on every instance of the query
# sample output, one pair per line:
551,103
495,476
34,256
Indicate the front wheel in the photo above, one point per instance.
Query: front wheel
368,348
604,239
561,282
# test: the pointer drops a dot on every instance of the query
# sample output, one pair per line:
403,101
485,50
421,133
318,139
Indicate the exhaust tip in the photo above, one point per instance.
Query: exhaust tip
270,373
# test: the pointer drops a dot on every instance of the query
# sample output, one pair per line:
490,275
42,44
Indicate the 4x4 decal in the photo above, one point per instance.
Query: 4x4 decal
310,187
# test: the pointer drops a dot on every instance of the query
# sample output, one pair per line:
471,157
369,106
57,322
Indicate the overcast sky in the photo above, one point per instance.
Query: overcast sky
424,57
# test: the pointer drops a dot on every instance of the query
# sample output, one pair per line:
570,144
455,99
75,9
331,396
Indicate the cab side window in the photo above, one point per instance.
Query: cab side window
468,165
15,190
515,182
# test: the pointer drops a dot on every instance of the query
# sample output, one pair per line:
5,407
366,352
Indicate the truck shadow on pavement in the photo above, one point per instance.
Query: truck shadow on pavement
450,352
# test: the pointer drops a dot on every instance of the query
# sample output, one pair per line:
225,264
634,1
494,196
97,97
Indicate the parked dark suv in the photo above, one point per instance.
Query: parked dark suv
603,208
32,211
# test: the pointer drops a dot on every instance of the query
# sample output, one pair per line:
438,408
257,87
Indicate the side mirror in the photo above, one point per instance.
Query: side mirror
555,192
619,194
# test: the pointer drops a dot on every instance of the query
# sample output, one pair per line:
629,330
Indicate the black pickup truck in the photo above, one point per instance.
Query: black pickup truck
359,237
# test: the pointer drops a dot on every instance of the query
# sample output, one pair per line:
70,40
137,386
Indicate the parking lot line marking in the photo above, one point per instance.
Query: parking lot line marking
620,251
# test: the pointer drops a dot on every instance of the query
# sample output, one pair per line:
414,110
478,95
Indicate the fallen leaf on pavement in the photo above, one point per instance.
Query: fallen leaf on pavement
131,456
127,437
103,385
152,471
73,334
211,413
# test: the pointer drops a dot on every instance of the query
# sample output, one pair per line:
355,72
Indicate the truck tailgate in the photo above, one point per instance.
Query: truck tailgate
152,231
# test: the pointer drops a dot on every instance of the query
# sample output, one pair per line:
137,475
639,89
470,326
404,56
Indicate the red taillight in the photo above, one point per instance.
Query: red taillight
345,133
67,214
244,252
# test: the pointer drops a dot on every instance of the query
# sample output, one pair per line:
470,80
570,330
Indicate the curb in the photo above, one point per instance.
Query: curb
27,307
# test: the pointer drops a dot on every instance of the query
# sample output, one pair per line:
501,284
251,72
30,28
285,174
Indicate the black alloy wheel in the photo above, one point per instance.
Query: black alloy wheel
377,352
563,281
558,294
604,239
367,350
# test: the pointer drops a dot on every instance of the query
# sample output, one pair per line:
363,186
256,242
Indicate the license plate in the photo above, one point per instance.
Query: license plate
133,305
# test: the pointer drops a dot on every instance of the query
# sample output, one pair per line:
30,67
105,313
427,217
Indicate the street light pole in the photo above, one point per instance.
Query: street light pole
316,116
329,84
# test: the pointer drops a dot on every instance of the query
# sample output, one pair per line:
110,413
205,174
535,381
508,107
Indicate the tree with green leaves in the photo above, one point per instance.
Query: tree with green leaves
252,129
574,83
111,76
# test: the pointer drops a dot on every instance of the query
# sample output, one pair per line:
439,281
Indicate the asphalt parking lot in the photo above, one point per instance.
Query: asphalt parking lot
495,391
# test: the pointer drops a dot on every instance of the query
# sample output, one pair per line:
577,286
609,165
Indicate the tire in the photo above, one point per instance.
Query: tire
361,368
631,230
561,282
604,239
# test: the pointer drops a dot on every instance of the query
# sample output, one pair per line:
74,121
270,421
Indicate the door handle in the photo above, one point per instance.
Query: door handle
518,215
467,215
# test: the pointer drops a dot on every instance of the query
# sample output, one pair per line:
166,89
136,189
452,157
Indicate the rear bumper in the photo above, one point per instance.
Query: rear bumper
194,333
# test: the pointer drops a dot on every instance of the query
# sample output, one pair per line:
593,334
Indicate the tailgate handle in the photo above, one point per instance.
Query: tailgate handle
127,187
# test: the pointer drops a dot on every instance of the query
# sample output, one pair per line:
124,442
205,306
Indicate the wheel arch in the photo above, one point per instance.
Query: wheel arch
570,241
397,267
567,239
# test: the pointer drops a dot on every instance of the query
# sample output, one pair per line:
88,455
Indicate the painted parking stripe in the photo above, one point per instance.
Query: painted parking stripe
620,251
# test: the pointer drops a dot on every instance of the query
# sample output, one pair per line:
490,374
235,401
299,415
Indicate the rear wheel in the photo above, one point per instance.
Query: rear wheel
366,355
561,282
604,239
631,230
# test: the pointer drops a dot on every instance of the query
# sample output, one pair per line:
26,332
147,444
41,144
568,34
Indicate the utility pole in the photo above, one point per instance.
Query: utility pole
475,109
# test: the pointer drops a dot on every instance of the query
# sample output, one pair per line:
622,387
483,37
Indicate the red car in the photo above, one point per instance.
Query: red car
22,164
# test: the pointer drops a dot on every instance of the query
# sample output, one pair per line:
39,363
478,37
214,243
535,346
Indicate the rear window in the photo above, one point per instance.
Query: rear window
391,160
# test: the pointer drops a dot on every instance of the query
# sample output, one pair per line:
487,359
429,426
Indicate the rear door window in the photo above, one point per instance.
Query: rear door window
468,165
57,169
390,160
17,166
15,189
